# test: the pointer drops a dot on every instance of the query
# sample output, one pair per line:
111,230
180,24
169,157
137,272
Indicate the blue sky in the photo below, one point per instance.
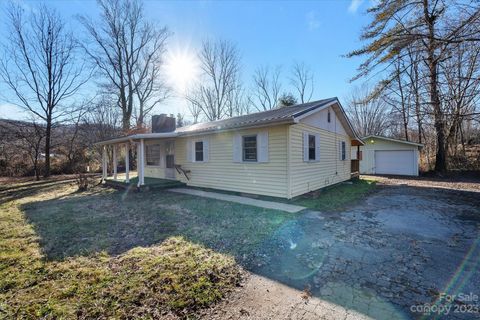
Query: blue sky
274,33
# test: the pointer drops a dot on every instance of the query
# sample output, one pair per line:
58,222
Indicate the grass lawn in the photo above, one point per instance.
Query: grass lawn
336,197
110,254
333,198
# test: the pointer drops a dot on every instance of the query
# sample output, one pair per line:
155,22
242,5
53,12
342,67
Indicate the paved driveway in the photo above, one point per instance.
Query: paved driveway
391,256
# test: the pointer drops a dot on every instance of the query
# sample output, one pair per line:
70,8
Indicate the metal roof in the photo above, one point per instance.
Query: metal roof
285,115
264,117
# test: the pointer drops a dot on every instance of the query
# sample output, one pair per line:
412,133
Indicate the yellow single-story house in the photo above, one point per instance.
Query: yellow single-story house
283,152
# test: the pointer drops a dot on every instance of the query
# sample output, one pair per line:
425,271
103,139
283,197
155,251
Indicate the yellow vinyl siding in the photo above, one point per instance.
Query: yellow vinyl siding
309,176
155,171
221,172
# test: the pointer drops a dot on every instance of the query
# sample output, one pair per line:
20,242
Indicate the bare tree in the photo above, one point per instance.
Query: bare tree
433,28
397,95
128,52
302,80
40,67
266,88
368,116
195,110
238,103
73,137
151,86
102,119
29,137
215,92
460,91
416,83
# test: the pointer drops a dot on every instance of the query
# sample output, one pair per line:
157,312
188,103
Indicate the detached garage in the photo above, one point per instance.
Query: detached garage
381,155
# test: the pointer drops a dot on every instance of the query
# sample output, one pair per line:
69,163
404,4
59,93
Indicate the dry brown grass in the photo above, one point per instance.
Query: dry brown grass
174,276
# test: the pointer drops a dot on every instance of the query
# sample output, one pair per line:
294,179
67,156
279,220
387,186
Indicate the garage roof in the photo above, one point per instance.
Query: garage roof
393,140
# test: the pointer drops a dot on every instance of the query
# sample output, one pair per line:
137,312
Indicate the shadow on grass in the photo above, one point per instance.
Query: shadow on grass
118,221
18,192
358,258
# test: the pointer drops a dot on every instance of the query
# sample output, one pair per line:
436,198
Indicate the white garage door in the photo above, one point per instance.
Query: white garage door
395,162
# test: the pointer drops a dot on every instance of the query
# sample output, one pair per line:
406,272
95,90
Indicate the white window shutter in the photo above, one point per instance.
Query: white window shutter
317,147
189,151
237,148
206,150
305,146
340,150
262,146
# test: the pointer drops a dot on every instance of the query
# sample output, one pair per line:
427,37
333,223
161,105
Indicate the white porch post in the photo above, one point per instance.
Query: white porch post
140,163
104,163
114,162
127,164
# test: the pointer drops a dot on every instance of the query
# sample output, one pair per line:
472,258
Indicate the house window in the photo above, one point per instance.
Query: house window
199,151
344,153
153,154
311,147
328,116
250,148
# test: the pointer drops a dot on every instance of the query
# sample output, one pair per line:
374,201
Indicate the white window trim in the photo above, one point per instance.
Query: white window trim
194,150
314,149
317,147
343,143
191,154
159,165
256,147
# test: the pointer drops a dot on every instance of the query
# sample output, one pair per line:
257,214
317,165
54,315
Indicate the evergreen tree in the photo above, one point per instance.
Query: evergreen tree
286,100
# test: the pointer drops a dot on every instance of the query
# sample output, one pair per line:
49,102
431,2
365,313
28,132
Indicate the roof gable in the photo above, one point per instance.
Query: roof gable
291,114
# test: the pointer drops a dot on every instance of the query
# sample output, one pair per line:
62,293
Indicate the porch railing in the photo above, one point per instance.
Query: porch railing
180,170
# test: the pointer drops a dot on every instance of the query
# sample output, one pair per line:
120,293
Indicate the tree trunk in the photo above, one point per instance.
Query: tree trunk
140,119
35,168
440,158
419,117
419,128
440,161
125,122
404,109
48,131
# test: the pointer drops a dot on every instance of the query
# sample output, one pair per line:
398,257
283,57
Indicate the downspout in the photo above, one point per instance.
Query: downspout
289,176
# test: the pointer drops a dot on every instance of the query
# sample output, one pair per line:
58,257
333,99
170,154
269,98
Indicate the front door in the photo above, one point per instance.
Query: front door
170,160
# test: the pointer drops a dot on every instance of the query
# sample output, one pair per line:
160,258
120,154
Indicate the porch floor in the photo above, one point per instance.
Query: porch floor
149,182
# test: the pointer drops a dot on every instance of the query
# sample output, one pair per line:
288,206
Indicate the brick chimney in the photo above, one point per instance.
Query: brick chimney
163,123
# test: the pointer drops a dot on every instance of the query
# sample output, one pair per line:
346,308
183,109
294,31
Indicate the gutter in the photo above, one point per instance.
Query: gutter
138,137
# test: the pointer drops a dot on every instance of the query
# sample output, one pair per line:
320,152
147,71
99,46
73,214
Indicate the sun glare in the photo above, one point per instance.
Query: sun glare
182,70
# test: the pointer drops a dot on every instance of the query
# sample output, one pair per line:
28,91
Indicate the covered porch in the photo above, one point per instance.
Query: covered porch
356,157
151,156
